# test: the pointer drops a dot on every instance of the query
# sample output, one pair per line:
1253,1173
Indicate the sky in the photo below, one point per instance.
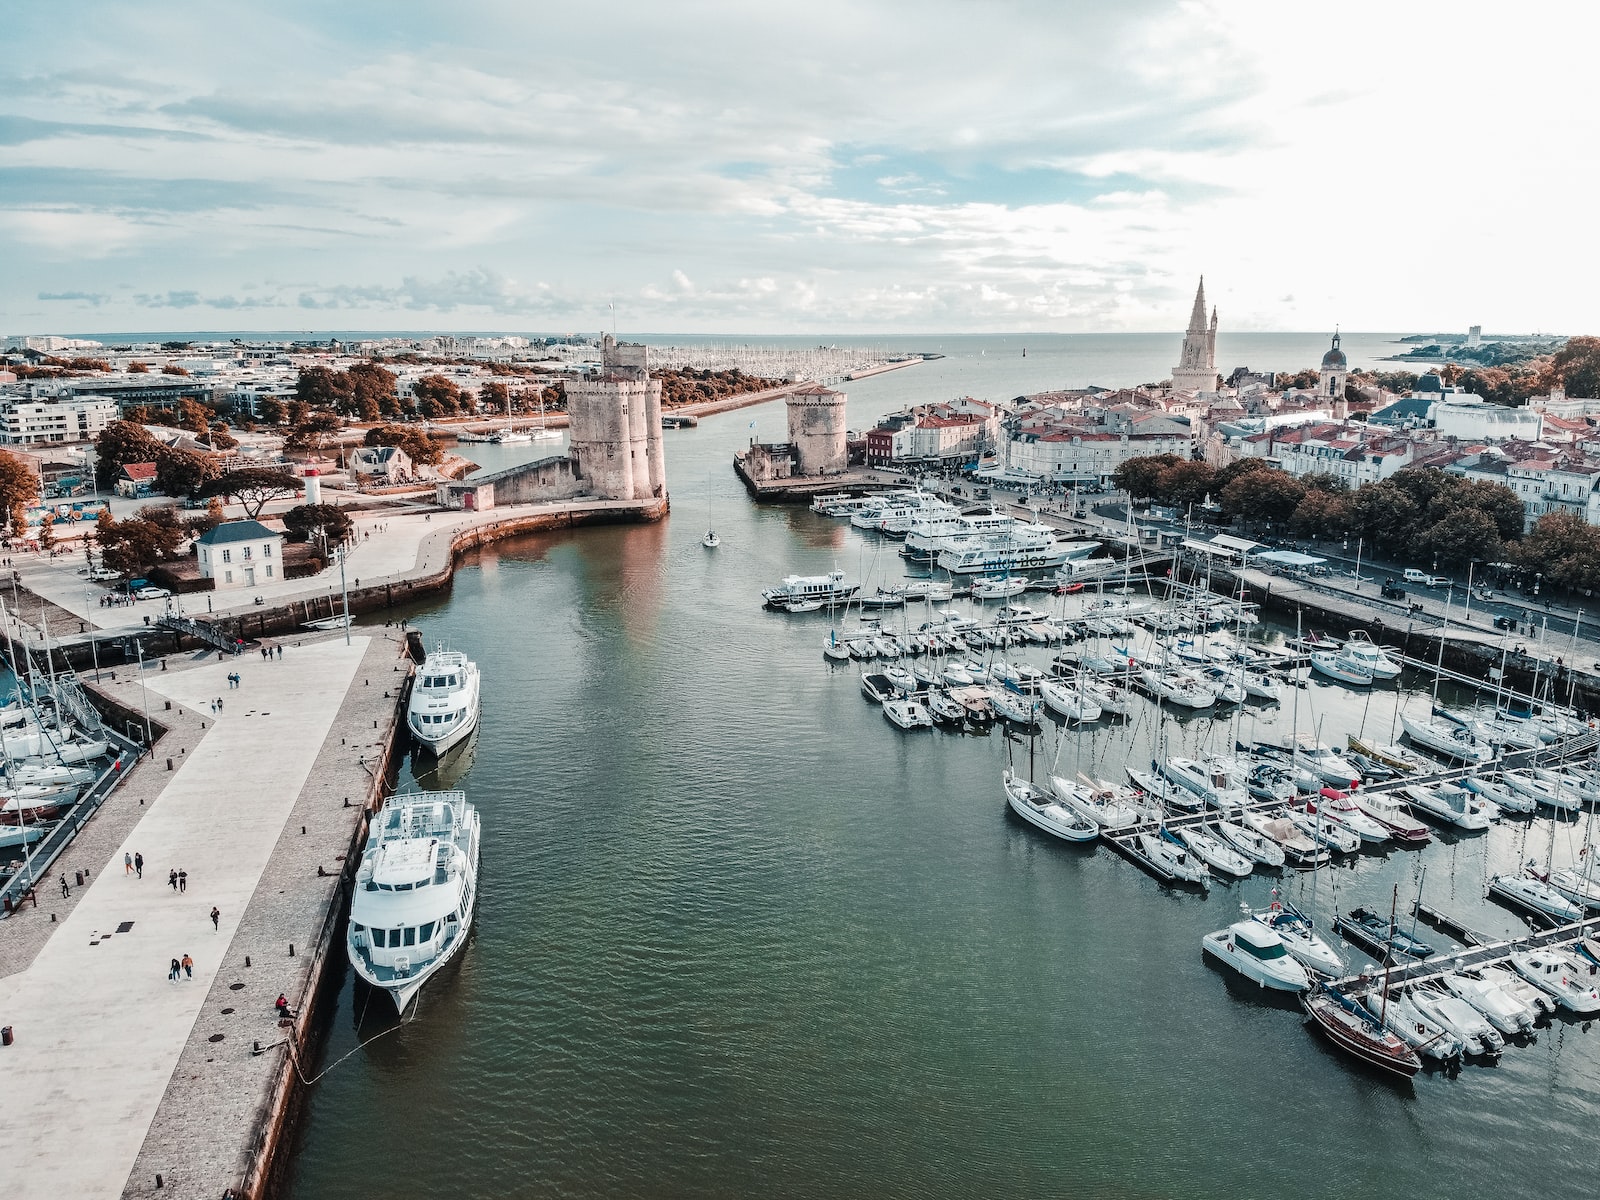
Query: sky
862,167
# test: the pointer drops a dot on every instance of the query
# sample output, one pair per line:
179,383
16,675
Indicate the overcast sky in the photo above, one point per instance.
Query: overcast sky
772,167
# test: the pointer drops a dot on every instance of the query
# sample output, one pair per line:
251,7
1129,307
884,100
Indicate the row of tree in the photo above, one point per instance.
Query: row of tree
368,392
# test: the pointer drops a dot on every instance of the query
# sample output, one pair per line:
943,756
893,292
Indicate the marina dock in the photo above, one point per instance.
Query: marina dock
127,1081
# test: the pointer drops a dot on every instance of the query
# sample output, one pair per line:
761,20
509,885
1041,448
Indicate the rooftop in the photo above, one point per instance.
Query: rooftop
235,531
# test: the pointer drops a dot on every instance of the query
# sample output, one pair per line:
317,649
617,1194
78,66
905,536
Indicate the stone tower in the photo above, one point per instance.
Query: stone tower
1197,367
1331,377
817,430
615,418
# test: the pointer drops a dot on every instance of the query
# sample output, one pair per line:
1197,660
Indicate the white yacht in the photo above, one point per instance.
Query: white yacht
444,700
1020,548
1258,953
414,891
1444,737
1362,651
827,589
933,531
1341,665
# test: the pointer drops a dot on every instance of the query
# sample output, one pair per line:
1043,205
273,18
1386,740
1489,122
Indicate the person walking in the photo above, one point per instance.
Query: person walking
280,650
183,881
138,865
172,879
65,890
172,971
216,915
188,967
127,863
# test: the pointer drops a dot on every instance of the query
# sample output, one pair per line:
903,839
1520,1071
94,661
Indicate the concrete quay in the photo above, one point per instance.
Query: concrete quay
117,1074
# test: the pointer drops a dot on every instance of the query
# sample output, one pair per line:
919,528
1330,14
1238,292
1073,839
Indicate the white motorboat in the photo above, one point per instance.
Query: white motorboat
1581,887
1448,803
1072,703
1297,847
1257,953
1013,705
1299,934
1414,1027
1535,1000
415,891
1523,781
1447,738
1522,892
1337,664
1173,857
1572,985
1365,655
830,589
1105,806
1041,810
1460,1019
1210,778
945,710
1506,1013
1180,687
444,705
1339,808
1319,828
1260,684
1251,844
1387,811
908,714
998,589
1215,852
1168,794
1504,798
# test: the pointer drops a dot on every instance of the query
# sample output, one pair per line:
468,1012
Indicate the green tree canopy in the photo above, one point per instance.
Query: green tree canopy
1577,365
253,486
312,431
419,447
1263,496
1185,483
1462,536
143,541
1138,476
19,487
326,524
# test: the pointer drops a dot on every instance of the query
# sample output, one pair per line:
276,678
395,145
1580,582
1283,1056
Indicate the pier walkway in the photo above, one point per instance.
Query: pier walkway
99,1027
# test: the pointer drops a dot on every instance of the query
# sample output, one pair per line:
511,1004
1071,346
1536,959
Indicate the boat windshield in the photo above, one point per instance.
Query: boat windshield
1265,953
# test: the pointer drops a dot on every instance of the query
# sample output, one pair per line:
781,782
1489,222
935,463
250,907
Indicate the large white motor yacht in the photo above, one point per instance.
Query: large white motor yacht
415,891
444,700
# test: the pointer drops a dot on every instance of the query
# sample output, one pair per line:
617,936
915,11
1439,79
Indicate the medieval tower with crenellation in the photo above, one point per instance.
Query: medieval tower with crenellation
615,416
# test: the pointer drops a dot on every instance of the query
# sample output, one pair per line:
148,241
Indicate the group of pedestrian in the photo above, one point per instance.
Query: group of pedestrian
234,680
178,880
216,705
267,652
117,600
133,864
184,964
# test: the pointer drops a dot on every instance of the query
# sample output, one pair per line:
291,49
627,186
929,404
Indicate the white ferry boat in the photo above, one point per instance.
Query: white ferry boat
806,590
898,520
935,531
415,891
444,700
1019,549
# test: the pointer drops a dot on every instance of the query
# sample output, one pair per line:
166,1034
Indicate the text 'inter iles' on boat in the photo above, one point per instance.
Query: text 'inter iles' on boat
444,700
415,891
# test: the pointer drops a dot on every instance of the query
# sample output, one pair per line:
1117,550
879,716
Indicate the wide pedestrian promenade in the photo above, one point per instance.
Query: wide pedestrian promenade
99,1026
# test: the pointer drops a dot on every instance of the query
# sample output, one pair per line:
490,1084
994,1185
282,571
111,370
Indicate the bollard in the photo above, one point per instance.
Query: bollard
247,960
291,949
158,1183
374,724
169,705
169,764
5,1035
79,878
302,831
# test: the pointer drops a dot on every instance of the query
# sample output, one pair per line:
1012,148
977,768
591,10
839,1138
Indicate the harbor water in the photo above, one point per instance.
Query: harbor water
739,935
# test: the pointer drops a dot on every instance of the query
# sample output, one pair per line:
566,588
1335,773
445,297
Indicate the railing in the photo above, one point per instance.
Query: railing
38,863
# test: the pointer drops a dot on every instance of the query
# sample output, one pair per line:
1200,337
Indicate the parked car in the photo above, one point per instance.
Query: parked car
104,573
1393,591
152,593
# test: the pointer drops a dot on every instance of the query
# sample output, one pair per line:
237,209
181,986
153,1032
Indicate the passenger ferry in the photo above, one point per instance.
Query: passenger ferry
932,532
805,591
1021,548
415,891
444,700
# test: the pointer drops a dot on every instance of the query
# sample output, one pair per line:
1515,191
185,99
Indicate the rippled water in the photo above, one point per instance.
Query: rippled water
738,935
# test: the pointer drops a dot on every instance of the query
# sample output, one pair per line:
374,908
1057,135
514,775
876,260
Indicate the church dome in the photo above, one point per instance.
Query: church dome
1334,359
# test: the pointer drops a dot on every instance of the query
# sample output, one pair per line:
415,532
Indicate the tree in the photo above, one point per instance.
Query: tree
1322,513
194,417
1138,476
1269,496
173,369
207,521
47,535
1465,535
138,368
121,443
183,472
253,487
326,524
436,396
494,396
310,433
373,393
419,447
270,410
1577,365
317,387
19,487
1238,467
133,546
1383,514
1185,483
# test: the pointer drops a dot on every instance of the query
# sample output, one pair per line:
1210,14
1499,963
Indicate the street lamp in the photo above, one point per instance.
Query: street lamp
144,695
1467,615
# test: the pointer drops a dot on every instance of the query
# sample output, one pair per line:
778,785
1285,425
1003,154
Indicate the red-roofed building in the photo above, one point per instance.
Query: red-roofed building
136,479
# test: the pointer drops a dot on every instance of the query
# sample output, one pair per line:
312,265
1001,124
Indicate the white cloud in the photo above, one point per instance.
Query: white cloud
877,165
